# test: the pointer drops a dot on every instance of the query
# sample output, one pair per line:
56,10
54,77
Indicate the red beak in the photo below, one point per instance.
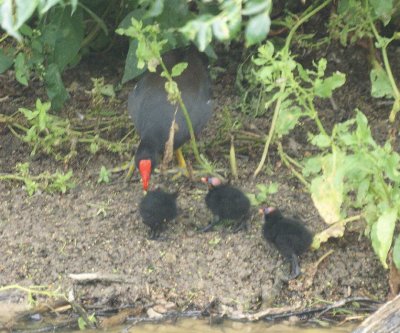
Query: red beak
145,172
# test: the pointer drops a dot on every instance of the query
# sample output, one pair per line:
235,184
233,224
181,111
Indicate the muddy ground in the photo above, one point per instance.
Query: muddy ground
96,227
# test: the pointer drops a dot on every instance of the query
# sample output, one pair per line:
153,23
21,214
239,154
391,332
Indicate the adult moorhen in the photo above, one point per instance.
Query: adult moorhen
156,209
289,236
226,203
153,114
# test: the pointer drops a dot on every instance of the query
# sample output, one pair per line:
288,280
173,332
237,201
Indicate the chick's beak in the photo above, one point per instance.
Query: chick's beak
145,172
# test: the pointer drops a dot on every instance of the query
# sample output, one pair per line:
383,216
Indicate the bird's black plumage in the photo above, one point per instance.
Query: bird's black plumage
153,114
289,236
156,208
226,203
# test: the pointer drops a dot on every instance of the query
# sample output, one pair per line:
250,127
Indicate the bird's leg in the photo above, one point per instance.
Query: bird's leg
241,225
153,234
181,162
294,267
215,220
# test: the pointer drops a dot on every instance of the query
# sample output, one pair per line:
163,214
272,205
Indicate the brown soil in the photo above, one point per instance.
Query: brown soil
97,228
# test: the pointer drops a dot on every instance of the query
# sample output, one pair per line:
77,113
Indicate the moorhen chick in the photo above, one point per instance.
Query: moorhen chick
157,208
226,203
289,236
152,113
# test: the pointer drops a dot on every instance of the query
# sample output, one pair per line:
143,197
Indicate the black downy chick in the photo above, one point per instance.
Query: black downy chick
226,203
156,208
289,236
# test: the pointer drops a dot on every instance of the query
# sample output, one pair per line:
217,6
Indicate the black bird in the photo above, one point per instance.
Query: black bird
156,208
153,114
226,203
289,236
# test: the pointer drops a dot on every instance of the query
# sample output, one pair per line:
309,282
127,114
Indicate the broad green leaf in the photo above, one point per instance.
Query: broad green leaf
55,87
257,28
327,195
21,69
131,63
383,9
382,234
221,29
324,88
396,253
380,84
69,37
327,190
178,69
6,61
14,13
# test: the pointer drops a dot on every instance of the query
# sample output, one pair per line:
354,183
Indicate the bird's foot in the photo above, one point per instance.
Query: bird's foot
294,268
242,225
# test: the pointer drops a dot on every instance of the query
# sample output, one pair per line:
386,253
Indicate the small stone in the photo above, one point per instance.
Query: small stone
160,308
152,314
170,306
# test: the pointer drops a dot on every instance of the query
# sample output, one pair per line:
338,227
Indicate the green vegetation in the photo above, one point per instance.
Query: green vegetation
348,171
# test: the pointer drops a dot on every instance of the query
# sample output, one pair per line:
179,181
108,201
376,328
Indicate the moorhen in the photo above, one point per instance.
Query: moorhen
289,236
156,208
153,114
226,203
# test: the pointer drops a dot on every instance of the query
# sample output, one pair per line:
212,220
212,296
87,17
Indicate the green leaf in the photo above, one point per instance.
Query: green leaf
383,9
324,88
14,13
69,36
30,186
396,253
178,69
256,6
6,61
55,87
221,29
204,36
288,118
45,5
321,140
327,191
382,234
21,69
257,28
380,84
104,175
313,165
156,8
131,63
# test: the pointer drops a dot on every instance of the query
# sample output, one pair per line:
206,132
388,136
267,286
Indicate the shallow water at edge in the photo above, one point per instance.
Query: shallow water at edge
202,326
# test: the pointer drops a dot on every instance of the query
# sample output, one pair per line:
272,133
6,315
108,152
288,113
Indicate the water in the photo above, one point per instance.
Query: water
202,326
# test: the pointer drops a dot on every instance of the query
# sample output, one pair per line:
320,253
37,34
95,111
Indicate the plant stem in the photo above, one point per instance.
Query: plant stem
271,131
285,55
388,69
285,160
188,120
